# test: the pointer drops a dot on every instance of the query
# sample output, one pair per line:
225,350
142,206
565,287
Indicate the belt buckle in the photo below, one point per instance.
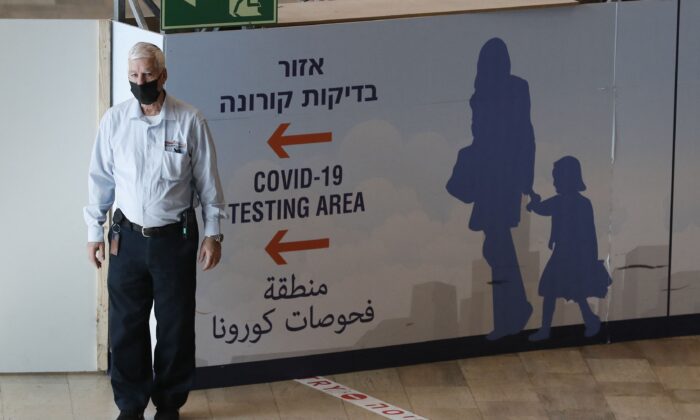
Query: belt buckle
143,232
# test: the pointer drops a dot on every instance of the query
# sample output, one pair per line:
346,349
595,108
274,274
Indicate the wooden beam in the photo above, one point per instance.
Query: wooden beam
103,102
353,10
59,11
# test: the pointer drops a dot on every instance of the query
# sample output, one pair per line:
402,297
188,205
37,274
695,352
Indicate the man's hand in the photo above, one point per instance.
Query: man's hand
209,253
96,253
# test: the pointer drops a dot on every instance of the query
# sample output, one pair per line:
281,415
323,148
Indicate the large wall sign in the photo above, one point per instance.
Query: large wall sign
403,181
336,147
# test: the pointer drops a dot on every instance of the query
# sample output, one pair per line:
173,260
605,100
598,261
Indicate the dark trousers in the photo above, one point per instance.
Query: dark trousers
147,271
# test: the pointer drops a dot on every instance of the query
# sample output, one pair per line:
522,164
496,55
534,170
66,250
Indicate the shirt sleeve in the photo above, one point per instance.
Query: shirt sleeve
206,178
100,182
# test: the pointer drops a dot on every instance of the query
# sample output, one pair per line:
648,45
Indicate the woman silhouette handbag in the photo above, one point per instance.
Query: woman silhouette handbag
462,183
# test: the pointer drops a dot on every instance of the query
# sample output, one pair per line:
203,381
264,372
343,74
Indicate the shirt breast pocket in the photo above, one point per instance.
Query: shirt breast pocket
175,166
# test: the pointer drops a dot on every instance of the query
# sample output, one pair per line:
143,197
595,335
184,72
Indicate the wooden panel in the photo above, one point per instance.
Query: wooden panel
348,10
26,2
89,10
103,103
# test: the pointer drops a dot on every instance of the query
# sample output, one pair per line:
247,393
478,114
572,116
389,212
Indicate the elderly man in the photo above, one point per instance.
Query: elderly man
154,160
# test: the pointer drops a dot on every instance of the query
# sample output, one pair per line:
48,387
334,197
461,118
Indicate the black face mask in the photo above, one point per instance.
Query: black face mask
146,93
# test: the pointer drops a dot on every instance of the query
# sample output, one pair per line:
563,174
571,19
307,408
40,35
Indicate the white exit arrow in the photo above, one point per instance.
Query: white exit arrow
233,6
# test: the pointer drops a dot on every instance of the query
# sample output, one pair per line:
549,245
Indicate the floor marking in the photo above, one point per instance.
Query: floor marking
358,398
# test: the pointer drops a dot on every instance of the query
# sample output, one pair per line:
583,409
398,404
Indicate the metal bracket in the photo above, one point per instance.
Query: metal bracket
138,14
119,11
154,8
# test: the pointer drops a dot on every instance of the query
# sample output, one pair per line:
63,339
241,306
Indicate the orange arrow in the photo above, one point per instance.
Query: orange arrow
278,140
275,247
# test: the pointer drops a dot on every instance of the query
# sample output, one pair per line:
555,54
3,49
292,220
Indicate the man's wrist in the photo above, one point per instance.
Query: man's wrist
218,237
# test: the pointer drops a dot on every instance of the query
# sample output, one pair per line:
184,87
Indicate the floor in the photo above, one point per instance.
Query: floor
653,379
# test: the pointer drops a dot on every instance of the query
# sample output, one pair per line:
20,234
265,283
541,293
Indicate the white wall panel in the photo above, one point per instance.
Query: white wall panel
48,116
642,156
685,298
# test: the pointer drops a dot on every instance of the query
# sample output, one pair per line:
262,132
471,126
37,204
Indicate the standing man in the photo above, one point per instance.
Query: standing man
153,159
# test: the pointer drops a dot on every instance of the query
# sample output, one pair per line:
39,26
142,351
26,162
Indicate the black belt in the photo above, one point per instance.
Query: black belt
170,229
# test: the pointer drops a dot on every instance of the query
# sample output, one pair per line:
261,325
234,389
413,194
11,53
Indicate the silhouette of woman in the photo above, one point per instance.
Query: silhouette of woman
493,173
573,271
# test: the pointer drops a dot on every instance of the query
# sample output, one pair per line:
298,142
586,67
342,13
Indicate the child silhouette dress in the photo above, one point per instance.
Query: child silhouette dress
568,273
573,272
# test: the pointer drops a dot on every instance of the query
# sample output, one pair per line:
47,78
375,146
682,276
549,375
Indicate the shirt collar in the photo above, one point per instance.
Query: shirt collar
168,111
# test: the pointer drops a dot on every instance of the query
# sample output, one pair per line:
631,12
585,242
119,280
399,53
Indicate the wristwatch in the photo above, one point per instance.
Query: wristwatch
218,238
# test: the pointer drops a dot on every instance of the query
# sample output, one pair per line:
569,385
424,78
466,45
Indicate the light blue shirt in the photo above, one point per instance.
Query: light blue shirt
152,170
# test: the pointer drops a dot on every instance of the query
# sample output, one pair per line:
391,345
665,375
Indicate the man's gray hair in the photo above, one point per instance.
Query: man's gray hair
147,50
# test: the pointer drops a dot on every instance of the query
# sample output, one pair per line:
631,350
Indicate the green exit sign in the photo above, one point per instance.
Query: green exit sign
180,14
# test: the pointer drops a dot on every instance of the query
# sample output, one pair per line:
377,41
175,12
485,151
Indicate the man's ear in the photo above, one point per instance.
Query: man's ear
164,76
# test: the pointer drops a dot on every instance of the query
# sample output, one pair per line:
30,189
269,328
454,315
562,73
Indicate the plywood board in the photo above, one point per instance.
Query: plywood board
104,94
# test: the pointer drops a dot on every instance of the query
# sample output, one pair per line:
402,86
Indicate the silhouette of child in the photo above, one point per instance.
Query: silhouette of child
573,272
